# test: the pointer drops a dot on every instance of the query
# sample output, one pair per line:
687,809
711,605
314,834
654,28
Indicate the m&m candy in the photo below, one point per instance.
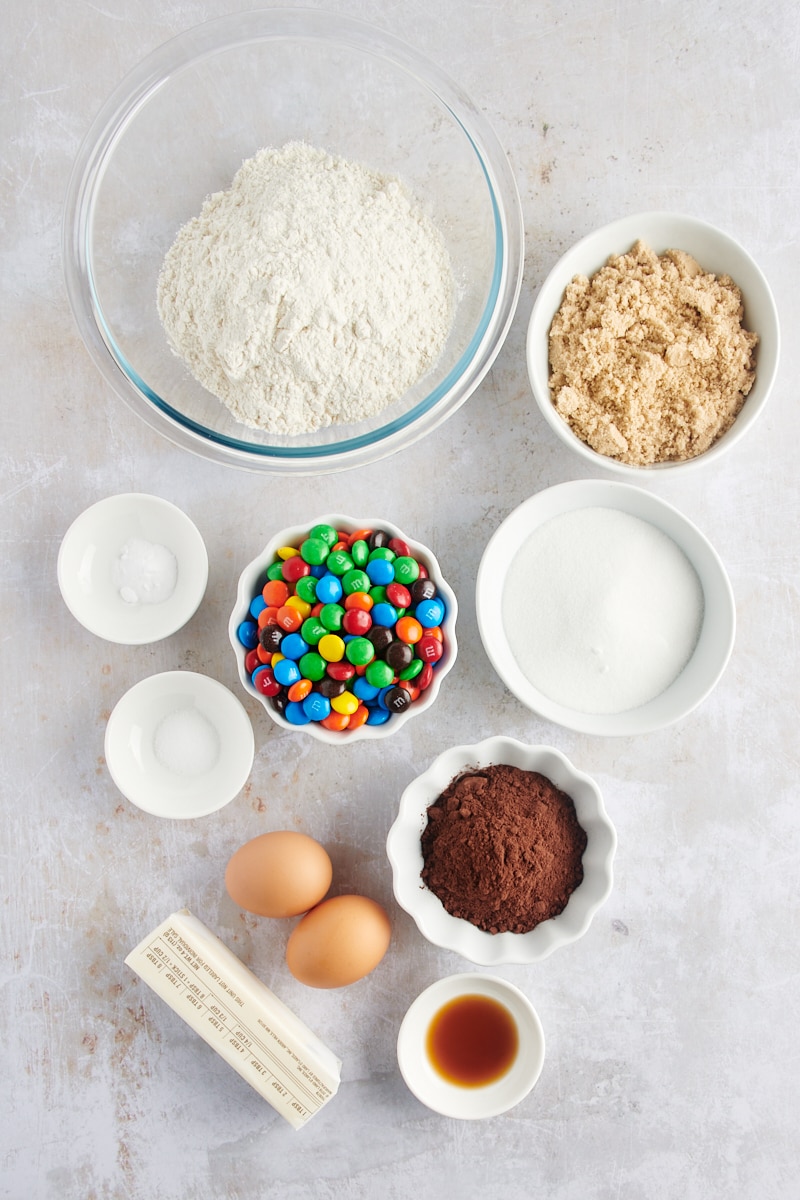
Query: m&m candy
347,629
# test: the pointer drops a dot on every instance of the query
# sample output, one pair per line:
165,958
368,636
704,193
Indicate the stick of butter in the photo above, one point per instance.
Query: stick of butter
239,1017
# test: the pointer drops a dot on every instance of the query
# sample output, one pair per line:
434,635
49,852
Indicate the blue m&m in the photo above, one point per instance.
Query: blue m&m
347,630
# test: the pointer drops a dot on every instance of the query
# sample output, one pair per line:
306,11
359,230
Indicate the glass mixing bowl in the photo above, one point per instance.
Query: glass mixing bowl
179,127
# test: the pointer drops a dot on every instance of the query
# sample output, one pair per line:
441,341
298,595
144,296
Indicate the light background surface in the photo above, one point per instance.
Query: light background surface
672,1047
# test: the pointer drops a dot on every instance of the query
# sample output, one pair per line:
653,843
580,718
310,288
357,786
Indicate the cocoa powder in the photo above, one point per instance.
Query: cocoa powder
502,849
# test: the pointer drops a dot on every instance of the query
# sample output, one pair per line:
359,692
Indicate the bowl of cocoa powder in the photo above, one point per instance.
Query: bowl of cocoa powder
653,344
502,851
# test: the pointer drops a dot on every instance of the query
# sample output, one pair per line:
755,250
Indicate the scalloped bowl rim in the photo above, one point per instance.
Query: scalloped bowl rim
245,591
453,933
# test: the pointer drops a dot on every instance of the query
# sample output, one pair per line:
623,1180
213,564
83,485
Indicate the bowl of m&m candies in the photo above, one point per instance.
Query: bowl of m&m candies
344,628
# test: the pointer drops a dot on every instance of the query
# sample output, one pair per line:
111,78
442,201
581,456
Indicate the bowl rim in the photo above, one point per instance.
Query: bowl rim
453,933
135,632
172,803
244,594
617,237
135,90
470,1103
716,638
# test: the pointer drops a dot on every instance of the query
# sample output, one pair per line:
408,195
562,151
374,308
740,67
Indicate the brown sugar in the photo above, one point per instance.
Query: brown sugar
649,359
503,848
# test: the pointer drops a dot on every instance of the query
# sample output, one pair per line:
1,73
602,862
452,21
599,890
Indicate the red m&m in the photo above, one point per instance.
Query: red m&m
362,623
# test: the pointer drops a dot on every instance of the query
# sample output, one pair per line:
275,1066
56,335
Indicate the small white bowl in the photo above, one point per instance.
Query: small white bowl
88,563
179,745
252,580
716,252
404,850
470,1103
714,644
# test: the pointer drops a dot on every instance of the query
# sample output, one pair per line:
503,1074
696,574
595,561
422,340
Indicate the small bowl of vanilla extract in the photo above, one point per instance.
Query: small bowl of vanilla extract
471,1046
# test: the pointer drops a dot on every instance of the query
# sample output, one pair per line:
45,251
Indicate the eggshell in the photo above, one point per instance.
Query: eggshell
338,942
280,874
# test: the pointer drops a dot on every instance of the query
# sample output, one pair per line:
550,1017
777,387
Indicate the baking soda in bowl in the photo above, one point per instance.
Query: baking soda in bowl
144,572
601,610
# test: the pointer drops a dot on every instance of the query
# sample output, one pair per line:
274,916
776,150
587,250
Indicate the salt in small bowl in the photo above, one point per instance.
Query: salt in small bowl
179,744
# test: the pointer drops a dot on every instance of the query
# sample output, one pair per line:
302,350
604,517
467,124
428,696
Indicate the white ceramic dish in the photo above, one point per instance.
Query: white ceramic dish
716,252
219,738
714,644
432,919
470,1103
252,580
178,128
89,553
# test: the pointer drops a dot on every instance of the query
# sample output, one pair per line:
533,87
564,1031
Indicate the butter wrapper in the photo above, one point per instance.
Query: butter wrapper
238,1016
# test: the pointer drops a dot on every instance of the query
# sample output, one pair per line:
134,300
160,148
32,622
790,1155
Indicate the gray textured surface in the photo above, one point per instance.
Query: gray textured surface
672,1027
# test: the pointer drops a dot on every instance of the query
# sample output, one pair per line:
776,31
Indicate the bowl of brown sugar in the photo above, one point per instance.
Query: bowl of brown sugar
502,851
653,344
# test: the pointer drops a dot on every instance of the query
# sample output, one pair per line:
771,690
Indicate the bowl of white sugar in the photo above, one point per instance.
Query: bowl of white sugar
291,243
179,744
604,609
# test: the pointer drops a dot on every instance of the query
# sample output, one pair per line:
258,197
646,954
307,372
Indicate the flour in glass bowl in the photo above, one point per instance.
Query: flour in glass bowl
312,292
601,610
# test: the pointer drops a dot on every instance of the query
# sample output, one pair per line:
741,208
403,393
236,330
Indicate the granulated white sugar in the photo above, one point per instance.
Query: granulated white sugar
601,610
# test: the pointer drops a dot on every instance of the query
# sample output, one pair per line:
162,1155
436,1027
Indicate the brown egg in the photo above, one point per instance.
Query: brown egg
279,874
338,942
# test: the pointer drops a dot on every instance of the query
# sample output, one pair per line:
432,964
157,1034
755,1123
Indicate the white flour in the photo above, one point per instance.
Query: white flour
312,292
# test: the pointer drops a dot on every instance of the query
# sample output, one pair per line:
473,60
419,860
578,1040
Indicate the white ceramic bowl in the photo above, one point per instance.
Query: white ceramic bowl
470,1103
179,745
252,580
89,556
715,642
404,849
716,252
178,128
